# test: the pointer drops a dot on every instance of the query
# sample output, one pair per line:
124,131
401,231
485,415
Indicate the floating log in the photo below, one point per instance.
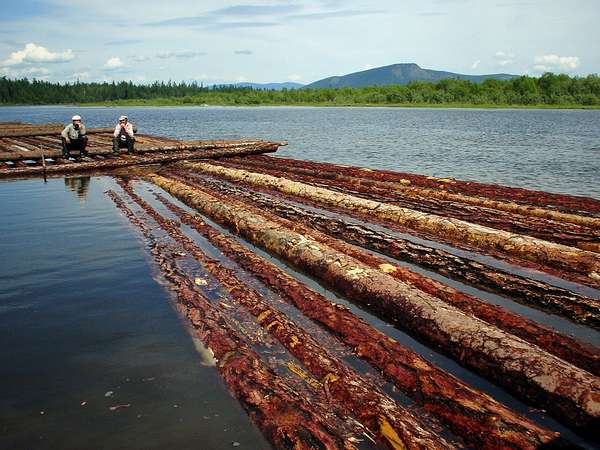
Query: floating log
45,130
392,425
566,202
156,156
571,394
555,226
284,416
536,250
577,353
471,414
165,146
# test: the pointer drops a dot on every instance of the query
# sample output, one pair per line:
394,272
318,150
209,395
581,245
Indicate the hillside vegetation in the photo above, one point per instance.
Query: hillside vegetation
548,90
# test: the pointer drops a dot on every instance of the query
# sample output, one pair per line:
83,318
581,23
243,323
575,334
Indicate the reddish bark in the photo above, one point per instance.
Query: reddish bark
286,419
566,202
473,415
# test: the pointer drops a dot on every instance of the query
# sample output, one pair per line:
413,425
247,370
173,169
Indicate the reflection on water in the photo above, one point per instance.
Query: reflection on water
92,355
79,185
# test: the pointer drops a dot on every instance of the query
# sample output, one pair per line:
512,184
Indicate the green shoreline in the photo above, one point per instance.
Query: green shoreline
168,102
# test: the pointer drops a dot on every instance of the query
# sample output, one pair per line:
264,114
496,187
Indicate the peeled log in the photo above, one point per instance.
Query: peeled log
571,394
471,414
532,249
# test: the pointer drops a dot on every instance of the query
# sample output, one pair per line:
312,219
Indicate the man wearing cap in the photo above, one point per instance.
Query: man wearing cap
123,137
74,137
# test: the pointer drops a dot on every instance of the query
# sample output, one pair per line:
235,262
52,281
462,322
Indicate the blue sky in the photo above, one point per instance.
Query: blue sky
292,40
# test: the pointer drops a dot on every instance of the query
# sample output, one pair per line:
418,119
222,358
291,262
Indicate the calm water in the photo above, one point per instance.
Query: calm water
85,327
551,150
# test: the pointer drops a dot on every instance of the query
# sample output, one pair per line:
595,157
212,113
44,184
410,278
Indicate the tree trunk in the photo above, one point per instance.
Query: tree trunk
573,395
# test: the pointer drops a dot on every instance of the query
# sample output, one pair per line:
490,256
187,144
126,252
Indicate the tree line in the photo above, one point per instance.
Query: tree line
549,89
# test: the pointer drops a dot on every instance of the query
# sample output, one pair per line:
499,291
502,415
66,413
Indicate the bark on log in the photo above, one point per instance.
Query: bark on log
140,149
46,131
577,353
560,232
286,418
538,294
471,414
571,394
567,202
563,257
170,155
392,425
420,193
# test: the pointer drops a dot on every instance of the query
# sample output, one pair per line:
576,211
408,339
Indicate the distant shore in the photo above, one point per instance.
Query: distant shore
178,102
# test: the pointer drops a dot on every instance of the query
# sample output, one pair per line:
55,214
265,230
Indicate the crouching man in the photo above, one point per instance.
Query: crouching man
74,137
123,137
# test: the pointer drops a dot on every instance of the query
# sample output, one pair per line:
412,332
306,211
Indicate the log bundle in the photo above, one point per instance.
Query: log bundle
350,308
452,281
36,150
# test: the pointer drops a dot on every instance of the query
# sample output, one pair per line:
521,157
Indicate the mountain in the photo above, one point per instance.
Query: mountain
269,86
398,74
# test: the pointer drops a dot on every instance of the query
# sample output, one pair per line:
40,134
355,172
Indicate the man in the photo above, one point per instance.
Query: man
123,137
74,137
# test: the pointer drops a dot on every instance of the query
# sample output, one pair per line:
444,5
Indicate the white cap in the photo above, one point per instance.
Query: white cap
122,118
76,118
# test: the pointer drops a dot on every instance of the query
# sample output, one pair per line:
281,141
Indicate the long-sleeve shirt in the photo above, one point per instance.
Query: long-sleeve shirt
73,133
128,129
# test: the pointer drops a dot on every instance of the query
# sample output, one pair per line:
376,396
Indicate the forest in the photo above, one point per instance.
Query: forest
550,90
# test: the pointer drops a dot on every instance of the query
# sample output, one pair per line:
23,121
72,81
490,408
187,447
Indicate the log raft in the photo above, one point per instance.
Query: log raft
36,150
404,253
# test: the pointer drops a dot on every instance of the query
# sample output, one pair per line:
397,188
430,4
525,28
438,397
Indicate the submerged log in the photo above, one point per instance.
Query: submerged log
536,250
571,394
392,425
286,418
577,353
477,418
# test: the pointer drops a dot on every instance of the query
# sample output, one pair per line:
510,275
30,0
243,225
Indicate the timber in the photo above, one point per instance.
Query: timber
571,203
571,394
376,411
581,354
536,250
282,414
555,226
467,411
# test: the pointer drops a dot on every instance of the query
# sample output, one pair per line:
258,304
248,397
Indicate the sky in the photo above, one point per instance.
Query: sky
292,40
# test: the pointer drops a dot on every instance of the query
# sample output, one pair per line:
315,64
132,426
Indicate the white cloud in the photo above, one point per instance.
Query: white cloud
368,66
113,63
33,53
295,78
475,65
548,63
242,79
